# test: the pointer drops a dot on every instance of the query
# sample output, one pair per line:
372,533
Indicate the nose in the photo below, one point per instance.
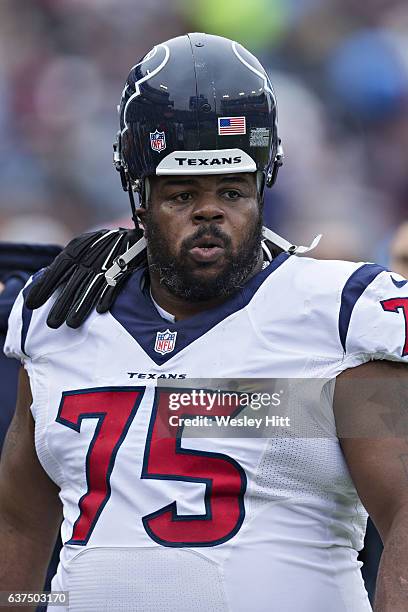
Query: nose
207,209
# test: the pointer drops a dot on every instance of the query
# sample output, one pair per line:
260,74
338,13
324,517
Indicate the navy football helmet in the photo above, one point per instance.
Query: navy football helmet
197,104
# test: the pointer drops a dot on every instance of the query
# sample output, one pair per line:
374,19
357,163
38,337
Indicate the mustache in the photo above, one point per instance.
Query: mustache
209,231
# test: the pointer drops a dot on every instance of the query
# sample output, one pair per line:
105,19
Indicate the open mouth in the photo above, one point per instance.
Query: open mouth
207,249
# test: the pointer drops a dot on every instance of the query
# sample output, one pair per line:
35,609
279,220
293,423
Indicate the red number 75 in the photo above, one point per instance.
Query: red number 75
164,459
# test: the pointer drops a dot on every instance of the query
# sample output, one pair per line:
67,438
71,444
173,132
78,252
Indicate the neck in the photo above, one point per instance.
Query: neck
181,308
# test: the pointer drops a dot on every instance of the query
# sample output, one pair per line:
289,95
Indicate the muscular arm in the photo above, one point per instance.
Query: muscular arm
371,409
30,510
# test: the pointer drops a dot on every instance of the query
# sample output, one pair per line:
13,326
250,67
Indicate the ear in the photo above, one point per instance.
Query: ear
141,213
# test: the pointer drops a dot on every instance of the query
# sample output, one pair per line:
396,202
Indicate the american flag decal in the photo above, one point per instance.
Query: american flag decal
231,126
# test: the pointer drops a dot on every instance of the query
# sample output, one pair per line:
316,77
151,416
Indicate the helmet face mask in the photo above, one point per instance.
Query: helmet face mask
197,104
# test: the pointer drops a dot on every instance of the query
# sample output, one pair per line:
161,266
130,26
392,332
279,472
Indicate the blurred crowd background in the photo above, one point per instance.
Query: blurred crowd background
339,67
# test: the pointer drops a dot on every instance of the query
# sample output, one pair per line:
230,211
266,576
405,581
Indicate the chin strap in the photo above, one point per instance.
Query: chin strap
286,246
268,256
121,264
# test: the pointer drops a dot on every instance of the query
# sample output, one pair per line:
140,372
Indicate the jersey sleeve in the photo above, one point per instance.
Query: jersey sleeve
373,318
18,326
30,338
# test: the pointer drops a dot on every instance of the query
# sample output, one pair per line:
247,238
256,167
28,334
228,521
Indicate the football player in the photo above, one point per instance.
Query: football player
154,516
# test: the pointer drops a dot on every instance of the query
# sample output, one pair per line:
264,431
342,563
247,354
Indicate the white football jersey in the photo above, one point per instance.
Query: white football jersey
161,515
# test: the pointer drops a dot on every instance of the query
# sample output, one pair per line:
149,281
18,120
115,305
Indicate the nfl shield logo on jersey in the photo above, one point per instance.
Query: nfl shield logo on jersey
158,141
165,342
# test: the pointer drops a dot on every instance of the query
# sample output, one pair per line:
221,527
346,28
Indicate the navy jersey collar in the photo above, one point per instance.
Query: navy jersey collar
135,311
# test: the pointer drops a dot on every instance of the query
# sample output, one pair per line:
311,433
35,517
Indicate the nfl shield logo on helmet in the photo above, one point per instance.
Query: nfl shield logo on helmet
158,141
165,342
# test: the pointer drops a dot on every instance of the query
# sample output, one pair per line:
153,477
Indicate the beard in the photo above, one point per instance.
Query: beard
181,276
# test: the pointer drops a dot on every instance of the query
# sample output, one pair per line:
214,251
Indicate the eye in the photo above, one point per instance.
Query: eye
185,196
232,194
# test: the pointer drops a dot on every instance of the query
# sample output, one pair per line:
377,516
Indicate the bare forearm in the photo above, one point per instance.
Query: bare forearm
23,561
392,583
30,509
